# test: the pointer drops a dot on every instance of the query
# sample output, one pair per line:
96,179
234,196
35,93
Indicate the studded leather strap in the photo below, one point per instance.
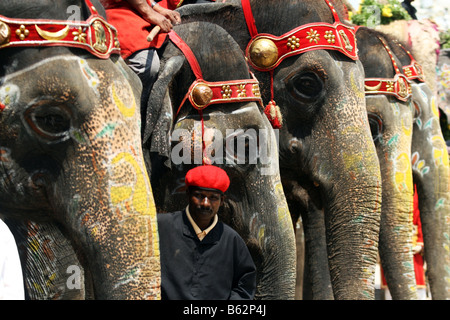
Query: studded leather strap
266,51
398,86
95,34
203,93
412,71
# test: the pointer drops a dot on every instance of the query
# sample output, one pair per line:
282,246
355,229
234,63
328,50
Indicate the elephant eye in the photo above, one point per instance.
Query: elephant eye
49,120
305,86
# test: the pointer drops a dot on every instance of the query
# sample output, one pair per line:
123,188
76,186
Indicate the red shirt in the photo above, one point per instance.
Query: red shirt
133,30
418,240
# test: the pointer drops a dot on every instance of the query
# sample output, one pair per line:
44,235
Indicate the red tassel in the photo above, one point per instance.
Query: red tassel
273,113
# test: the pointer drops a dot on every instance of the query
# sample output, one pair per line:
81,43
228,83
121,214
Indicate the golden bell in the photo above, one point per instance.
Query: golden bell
201,95
263,53
5,33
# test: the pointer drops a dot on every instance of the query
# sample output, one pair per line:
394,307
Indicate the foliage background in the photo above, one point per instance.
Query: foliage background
390,11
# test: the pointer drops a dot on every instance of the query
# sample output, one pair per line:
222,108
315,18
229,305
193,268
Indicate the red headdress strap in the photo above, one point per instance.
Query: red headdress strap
203,93
95,34
412,71
398,86
265,51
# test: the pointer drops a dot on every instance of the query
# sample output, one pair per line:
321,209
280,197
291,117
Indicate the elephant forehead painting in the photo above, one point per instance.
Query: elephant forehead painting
74,187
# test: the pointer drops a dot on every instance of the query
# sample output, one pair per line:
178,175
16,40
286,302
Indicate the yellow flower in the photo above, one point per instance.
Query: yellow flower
386,11
350,15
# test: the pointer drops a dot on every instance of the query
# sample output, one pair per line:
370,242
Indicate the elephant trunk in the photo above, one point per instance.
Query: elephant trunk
393,142
352,239
317,283
107,202
117,230
435,229
431,175
396,222
395,243
262,218
348,177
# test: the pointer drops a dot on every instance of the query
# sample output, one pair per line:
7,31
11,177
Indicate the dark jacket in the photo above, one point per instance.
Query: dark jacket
218,268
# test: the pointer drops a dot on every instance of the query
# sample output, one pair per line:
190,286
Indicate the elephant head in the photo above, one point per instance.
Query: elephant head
71,166
327,156
232,133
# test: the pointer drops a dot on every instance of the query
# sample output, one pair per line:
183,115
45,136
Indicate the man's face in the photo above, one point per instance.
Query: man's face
204,205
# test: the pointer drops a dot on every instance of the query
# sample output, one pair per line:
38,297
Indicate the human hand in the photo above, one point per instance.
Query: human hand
173,16
164,23
152,15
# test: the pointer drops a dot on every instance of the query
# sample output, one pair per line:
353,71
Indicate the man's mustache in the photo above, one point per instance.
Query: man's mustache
204,211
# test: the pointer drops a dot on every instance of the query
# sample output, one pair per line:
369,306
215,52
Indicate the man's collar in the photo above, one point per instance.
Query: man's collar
201,234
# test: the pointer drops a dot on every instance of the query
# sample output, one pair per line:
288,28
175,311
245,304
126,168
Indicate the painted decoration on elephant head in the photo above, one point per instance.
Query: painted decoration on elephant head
100,123
9,94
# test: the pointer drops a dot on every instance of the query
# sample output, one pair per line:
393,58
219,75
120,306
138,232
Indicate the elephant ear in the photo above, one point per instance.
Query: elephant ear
159,117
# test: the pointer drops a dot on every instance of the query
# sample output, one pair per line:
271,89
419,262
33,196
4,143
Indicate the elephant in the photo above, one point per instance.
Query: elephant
431,175
326,153
389,117
74,188
391,121
185,128
411,152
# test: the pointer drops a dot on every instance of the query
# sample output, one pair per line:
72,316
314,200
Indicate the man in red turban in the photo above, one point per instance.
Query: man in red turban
201,257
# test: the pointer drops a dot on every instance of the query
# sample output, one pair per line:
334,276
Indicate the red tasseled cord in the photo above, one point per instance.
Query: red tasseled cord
271,110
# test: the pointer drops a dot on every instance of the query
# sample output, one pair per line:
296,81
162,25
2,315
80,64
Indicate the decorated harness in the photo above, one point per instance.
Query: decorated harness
265,52
412,71
399,86
202,93
95,34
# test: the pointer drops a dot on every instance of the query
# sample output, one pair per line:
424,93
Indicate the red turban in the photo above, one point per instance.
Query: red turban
209,177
